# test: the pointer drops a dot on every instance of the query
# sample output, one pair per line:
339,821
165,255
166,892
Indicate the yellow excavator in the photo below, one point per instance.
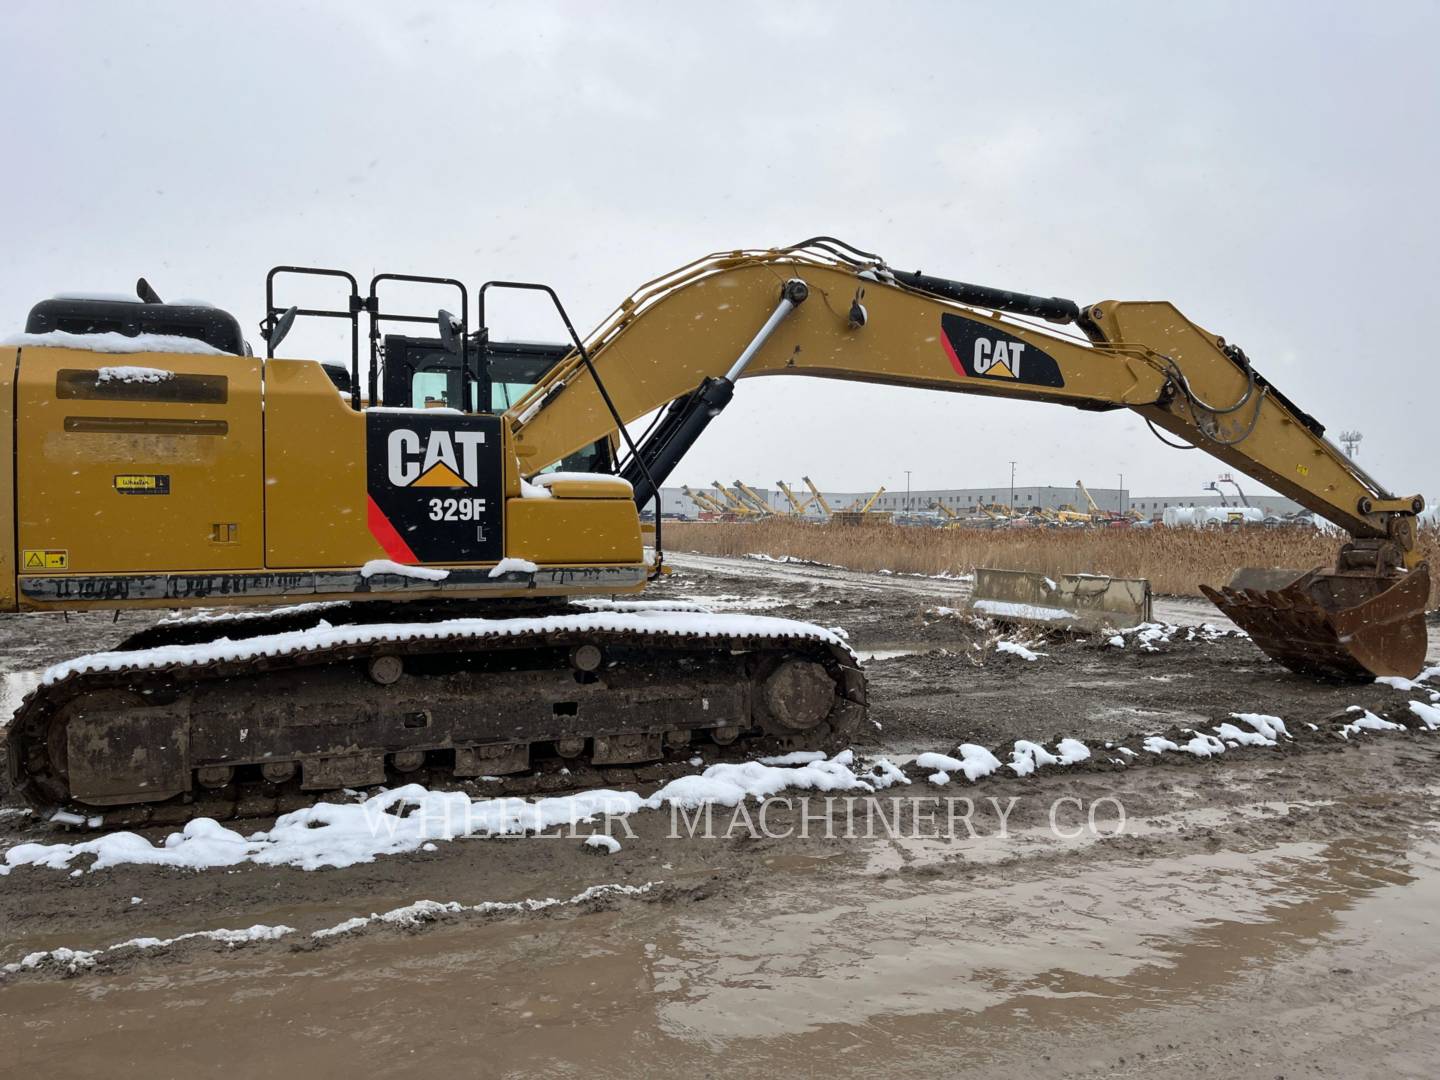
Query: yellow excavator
449,540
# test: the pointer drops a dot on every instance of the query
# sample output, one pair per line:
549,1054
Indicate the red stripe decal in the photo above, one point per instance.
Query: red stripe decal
950,352
380,528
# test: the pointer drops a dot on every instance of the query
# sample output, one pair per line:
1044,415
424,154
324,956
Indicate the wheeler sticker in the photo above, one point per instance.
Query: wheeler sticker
435,485
45,559
980,351
143,484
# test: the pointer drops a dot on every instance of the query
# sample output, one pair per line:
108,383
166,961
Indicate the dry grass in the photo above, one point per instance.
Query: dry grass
1174,560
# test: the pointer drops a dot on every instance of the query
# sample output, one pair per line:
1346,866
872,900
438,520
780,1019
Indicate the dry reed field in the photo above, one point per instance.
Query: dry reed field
1174,560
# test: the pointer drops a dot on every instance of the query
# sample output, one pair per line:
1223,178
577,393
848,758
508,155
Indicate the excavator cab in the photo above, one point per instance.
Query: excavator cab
456,368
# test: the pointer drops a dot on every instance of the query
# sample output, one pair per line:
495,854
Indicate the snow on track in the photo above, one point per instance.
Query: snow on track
323,635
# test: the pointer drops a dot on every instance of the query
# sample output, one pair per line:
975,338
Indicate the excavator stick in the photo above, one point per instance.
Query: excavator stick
1339,626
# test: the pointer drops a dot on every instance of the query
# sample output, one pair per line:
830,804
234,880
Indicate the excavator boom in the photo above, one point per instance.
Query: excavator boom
747,314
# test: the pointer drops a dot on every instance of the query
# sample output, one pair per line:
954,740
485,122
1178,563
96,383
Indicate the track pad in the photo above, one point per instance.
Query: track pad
126,755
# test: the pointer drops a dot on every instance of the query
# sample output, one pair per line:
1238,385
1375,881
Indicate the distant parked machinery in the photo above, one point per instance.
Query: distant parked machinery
863,506
797,506
755,499
819,498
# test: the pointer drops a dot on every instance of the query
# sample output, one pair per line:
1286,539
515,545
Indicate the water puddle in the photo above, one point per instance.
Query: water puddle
903,648
847,973
871,655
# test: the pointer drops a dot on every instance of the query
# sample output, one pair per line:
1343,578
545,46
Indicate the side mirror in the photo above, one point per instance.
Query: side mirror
281,328
146,293
449,331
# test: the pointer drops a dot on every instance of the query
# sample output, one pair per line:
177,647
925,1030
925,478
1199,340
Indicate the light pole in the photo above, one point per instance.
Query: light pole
1122,493
1012,487
907,491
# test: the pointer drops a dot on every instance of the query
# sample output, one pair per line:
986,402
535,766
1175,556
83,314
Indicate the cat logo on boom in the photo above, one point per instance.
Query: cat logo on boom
980,351
998,358
436,458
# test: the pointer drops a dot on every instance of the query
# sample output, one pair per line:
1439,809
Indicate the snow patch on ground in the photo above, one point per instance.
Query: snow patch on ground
602,842
344,834
974,761
425,911
1429,715
728,602
883,774
1368,721
73,961
14,685
794,757
1151,635
1014,648
1027,757
1397,682
1270,727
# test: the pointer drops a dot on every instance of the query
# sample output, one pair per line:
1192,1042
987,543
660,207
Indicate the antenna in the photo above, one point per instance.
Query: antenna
1351,441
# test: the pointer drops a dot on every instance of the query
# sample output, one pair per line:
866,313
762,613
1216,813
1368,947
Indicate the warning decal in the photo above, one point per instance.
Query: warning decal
44,559
143,484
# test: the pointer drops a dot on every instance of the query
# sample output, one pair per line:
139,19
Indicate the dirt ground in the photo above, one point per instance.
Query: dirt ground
1266,911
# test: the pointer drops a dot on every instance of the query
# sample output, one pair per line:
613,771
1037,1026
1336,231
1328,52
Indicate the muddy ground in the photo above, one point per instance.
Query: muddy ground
1267,911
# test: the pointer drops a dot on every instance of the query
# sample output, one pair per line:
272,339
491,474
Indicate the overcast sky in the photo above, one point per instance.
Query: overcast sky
1269,168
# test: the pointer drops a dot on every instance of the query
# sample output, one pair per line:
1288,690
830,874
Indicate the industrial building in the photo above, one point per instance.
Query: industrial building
676,503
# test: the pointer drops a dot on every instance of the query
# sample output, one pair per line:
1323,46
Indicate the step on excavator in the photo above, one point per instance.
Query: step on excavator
425,577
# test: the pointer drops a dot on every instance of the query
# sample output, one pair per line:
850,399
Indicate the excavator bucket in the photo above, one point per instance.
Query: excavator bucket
1335,626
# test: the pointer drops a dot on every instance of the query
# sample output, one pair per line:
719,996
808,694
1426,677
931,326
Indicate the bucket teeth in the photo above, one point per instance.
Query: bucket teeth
1302,626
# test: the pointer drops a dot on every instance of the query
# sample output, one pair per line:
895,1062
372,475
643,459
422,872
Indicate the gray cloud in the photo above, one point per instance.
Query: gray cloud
1265,167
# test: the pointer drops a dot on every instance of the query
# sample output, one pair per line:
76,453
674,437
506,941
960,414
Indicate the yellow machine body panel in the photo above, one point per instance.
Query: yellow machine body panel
141,462
166,480
315,497
573,531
